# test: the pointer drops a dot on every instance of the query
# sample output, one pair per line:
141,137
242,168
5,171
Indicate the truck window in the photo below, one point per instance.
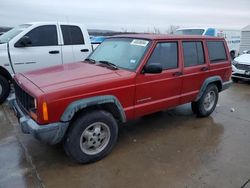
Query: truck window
216,51
126,53
193,53
72,35
6,37
43,36
165,53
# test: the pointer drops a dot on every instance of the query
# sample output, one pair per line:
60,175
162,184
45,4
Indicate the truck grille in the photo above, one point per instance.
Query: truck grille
243,67
23,98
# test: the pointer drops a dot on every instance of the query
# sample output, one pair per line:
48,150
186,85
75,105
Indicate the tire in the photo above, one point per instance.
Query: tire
205,105
4,89
235,80
84,135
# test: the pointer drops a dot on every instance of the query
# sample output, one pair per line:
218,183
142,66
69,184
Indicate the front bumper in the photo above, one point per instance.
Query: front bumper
241,74
51,133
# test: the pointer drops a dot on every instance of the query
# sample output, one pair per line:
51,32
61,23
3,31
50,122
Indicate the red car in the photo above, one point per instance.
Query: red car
81,104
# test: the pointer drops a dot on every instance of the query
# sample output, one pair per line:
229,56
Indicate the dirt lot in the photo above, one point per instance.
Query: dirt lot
166,149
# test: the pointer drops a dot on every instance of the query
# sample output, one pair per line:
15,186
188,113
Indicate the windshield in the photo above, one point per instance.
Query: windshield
125,53
190,32
6,37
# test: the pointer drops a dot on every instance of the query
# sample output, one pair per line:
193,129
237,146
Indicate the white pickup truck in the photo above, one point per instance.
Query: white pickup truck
37,45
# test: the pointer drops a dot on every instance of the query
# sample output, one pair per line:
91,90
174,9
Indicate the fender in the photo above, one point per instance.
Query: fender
206,83
84,103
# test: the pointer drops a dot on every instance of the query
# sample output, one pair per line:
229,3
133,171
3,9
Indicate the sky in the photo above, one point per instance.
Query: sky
129,15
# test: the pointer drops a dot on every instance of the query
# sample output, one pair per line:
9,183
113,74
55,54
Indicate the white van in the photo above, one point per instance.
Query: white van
232,37
38,45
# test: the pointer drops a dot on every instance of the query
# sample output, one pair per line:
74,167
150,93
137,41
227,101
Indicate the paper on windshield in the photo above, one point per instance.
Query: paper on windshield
139,42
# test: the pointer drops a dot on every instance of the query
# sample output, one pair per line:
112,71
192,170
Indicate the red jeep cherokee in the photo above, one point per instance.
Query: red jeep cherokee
126,77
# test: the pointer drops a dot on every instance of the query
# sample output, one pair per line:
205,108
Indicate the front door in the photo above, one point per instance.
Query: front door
155,92
43,51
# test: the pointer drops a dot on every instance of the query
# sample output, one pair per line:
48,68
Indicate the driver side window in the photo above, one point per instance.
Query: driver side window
43,36
165,53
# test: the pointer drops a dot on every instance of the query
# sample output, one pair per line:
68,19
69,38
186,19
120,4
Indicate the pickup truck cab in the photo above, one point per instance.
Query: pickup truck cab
124,78
38,45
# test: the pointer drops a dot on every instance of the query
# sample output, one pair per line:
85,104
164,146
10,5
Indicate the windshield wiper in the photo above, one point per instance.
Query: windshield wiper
114,66
92,61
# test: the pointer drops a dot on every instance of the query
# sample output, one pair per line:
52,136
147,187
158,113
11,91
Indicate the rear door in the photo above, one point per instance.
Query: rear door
219,59
43,51
74,47
155,92
195,69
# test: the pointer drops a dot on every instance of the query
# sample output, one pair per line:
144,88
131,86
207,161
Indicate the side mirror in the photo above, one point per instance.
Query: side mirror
23,42
153,68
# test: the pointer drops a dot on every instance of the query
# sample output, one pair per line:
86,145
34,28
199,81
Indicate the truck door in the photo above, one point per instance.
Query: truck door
155,92
195,70
75,47
43,50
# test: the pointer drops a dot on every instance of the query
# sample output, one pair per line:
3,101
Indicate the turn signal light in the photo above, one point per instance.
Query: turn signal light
45,112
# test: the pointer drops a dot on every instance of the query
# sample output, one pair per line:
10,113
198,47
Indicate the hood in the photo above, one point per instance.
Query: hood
243,59
69,75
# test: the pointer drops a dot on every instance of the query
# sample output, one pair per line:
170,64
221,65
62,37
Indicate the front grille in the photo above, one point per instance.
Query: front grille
243,67
24,98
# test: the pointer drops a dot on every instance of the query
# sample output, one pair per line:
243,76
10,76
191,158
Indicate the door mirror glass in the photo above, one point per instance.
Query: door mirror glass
24,42
153,68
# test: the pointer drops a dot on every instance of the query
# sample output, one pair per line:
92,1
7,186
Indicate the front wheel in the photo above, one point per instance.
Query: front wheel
91,136
207,103
4,89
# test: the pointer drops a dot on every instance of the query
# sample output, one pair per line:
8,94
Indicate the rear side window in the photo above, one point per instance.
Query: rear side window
216,51
43,36
165,53
193,54
72,35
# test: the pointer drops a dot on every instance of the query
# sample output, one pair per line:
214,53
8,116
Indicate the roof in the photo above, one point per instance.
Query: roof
53,22
164,36
247,28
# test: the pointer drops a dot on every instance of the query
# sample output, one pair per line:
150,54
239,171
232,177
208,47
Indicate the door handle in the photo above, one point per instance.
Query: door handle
204,68
177,73
54,52
84,50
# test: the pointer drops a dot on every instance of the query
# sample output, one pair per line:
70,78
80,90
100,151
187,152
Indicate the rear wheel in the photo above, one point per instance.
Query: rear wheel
4,89
91,137
207,103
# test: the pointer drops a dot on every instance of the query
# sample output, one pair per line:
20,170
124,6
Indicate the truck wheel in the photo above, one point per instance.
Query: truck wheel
207,103
91,137
4,89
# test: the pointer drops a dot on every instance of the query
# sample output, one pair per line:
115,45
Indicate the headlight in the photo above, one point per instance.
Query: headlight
235,62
